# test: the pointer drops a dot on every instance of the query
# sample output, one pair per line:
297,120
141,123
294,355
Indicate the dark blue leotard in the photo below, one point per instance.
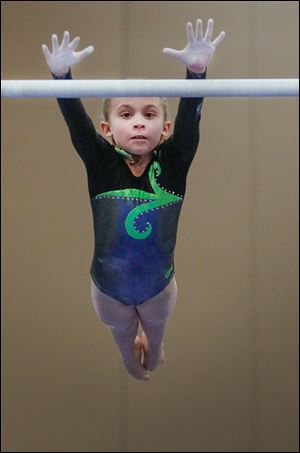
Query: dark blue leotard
135,218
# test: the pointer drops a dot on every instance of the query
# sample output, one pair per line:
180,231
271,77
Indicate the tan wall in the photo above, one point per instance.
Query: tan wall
230,382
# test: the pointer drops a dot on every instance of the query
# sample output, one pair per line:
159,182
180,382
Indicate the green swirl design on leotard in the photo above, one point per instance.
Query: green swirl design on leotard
158,199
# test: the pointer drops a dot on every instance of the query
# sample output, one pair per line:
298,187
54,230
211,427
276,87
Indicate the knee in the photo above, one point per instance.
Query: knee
117,321
157,312
112,312
120,325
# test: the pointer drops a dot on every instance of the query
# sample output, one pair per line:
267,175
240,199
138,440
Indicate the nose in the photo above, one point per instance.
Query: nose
139,125
138,122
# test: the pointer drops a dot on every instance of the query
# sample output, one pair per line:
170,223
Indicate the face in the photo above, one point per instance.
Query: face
136,124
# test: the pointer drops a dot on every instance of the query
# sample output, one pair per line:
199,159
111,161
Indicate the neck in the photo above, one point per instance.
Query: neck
138,161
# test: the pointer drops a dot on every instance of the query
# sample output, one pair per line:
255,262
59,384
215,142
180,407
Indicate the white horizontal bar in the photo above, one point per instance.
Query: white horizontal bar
146,88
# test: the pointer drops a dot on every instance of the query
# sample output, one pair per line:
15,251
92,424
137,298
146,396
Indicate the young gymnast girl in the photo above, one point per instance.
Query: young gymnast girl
137,176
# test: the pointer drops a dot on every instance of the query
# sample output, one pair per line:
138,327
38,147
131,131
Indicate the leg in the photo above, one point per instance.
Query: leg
153,317
123,321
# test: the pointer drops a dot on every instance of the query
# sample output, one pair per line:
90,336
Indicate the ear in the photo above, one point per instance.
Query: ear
166,129
105,129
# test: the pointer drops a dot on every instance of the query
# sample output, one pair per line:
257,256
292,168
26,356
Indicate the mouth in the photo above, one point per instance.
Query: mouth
139,137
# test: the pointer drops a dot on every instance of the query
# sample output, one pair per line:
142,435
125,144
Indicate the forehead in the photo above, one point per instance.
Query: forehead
136,103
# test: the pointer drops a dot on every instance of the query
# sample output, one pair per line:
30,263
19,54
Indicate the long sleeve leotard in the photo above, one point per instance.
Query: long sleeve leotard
135,218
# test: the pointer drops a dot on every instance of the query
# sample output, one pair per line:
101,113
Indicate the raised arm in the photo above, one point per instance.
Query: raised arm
196,56
60,61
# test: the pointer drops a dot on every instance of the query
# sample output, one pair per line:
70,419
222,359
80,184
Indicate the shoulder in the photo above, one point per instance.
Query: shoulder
166,152
108,151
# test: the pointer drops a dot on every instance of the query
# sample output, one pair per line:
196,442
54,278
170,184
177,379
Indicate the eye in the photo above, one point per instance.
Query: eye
150,114
125,115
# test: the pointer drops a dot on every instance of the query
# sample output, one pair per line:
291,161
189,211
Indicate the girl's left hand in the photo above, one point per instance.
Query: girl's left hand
200,49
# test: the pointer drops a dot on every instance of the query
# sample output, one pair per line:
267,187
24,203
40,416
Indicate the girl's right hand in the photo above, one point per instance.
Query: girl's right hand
63,57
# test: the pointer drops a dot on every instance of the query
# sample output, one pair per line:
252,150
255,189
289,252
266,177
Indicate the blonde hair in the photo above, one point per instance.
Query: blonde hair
106,106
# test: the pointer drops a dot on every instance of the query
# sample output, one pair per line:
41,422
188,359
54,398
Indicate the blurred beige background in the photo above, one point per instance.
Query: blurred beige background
230,382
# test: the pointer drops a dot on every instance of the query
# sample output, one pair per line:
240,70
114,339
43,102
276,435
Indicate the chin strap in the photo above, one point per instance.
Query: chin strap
128,155
124,153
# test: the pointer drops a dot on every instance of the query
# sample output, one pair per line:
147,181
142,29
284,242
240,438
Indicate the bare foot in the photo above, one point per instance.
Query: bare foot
138,349
152,360
136,367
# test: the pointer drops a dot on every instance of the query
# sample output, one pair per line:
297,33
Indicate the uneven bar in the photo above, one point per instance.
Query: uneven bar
147,88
